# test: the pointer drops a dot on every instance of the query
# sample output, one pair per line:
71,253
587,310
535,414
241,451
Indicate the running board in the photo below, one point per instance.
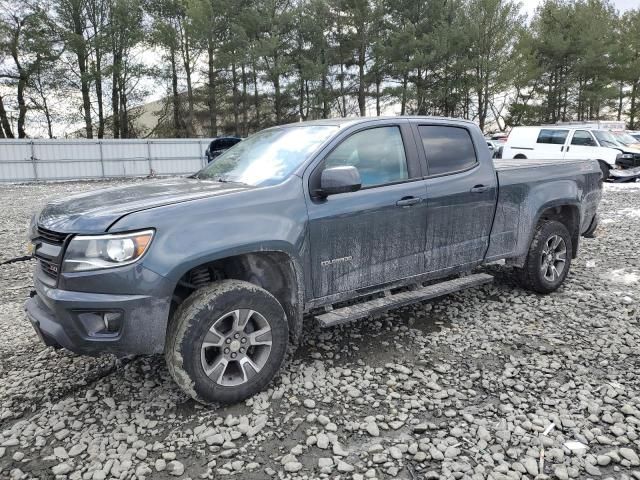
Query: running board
379,305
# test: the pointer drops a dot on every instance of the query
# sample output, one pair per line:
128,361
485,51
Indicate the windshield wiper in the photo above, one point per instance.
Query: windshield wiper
224,180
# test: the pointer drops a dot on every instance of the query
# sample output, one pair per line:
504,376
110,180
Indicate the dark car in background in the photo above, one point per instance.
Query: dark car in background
220,145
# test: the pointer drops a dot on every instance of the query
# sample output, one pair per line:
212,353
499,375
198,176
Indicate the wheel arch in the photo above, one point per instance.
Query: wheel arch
277,271
567,213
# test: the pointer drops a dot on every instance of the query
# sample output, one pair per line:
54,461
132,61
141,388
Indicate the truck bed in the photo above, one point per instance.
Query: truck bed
502,164
524,185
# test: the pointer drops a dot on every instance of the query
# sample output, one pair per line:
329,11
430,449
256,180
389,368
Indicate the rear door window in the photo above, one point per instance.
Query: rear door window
552,136
448,149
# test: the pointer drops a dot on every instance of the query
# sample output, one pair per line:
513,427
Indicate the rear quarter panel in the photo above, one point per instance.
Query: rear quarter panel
527,190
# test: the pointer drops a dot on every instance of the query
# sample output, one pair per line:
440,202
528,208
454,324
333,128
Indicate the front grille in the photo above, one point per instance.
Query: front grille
49,268
51,237
49,247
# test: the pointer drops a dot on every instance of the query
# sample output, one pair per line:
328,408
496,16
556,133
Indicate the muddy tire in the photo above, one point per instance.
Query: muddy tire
549,258
226,342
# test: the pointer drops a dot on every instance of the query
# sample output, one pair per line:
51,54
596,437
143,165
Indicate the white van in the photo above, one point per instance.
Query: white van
567,142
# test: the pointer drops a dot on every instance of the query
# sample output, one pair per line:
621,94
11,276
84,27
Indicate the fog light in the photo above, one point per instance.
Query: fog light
112,321
97,324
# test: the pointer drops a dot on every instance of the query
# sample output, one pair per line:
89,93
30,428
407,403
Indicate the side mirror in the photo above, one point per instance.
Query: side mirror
490,146
339,180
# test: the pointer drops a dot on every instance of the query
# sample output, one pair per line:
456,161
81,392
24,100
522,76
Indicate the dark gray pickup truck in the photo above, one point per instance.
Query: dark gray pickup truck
332,219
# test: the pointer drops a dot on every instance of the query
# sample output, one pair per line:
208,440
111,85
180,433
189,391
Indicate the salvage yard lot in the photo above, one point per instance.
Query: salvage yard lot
487,383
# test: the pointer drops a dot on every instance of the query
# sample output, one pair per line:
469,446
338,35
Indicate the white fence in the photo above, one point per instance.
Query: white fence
38,160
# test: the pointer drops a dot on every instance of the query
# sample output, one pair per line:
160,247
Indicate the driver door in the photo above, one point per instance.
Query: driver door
374,235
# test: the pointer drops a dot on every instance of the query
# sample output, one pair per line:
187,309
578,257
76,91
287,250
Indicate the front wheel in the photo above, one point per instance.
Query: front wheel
226,342
606,170
549,257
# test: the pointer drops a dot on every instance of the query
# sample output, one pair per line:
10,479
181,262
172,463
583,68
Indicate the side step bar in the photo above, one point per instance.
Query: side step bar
379,305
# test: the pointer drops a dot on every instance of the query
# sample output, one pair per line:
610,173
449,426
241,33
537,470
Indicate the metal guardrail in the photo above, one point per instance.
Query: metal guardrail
43,160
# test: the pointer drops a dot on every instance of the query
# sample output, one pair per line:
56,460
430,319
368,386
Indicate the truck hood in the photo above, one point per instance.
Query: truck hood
95,212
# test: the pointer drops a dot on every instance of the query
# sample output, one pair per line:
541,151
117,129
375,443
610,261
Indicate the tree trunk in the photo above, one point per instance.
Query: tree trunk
480,93
22,84
4,121
115,95
187,68
362,101
124,111
81,55
234,79
243,71
301,94
632,109
22,106
403,102
98,75
175,95
278,99
342,93
323,89
256,94
306,89
47,113
211,93
620,98
378,82
276,86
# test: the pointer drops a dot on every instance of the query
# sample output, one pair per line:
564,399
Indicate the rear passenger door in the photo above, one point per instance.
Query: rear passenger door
551,143
374,235
461,197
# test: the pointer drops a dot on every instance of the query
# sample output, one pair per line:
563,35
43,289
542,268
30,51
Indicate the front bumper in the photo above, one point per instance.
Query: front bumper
629,162
57,316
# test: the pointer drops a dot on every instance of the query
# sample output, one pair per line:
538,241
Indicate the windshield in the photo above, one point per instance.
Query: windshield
625,138
606,139
267,157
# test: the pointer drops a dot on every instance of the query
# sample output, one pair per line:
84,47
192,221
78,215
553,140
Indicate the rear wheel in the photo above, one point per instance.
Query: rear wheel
520,157
226,342
549,258
604,166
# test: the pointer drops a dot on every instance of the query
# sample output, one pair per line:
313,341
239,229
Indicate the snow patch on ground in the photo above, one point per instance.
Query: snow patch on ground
622,276
621,187
617,215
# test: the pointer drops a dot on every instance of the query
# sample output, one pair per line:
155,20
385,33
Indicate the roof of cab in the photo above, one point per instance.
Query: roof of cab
348,121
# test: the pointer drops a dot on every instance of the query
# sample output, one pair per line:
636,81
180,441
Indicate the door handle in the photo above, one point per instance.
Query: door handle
480,189
408,201
568,146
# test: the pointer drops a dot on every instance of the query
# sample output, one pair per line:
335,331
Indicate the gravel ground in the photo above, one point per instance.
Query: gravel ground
490,383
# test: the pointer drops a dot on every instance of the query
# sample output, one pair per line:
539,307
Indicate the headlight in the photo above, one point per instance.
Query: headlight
626,156
92,252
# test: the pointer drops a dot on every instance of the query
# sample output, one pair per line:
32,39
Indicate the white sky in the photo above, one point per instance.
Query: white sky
529,6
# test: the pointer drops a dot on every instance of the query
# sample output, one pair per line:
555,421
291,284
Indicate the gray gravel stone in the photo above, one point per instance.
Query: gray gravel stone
461,387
